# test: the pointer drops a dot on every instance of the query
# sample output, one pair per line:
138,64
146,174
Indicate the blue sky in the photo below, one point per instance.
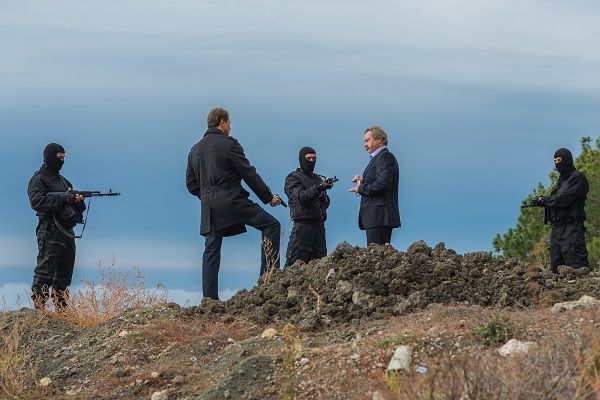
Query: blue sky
475,97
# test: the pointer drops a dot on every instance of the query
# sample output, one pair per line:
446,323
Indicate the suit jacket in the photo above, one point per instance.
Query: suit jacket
379,191
216,166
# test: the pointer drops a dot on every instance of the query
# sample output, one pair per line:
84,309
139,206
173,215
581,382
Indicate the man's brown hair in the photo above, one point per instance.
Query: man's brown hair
215,116
377,133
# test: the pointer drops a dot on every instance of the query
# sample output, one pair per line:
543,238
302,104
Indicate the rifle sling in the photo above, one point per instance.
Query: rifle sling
62,229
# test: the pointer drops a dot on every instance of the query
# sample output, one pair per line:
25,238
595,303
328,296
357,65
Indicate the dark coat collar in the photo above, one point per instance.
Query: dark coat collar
214,131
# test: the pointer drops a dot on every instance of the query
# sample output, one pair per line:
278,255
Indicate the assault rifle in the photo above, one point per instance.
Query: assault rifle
73,214
95,193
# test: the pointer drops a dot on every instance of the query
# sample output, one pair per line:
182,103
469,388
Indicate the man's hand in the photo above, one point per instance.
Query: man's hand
354,189
78,198
357,178
538,201
275,201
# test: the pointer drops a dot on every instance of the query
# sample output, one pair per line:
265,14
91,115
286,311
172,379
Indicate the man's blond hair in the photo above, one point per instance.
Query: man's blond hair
377,133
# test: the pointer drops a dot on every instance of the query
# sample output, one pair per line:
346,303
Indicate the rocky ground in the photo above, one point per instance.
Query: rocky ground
328,330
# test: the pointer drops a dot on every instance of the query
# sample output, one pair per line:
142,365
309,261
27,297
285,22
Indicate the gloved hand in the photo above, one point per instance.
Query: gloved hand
538,201
325,186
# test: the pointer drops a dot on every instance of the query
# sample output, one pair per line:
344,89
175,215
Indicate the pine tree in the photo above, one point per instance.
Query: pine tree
528,239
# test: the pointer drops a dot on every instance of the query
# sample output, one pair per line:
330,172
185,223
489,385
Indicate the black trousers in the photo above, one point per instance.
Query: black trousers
567,246
307,242
55,263
211,260
379,235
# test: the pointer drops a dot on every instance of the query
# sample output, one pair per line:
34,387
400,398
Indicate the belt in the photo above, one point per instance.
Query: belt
566,221
214,188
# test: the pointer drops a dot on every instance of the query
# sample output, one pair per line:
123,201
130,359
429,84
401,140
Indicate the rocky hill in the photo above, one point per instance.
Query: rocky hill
328,330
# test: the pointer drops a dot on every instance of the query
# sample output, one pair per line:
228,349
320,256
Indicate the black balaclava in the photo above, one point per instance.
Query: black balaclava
566,165
307,166
51,161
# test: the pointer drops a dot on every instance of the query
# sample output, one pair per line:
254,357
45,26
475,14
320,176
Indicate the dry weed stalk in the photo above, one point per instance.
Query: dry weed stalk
319,300
94,304
272,260
290,352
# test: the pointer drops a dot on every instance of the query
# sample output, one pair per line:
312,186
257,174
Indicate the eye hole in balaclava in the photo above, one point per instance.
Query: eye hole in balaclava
51,160
307,166
565,166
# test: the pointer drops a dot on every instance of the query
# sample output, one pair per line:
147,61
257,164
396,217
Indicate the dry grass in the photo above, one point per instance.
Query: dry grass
181,331
290,353
15,375
117,291
588,362
272,261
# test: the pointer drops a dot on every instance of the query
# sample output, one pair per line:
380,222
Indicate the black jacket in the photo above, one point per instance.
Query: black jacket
379,191
566,202
216,166
48,196
306,202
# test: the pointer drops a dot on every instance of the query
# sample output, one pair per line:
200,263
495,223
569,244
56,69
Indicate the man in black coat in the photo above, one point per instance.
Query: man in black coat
216,166
564,208
378,186
50,196
308,201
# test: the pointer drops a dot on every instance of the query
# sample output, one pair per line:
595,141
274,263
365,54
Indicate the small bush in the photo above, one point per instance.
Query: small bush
497,330
393,340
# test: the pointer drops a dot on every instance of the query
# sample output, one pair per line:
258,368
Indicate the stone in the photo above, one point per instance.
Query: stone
584,302
377,396
179,379
123,334
160,395
303,361
45,381
154,374
269,333
330,274
401,359
513,346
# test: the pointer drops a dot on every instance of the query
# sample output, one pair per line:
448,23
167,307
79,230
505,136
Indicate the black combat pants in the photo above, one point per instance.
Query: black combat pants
567,246
211,260
55,263
379,235
307,242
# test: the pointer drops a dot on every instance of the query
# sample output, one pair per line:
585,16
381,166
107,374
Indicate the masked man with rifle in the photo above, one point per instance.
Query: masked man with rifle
51,197
564,209
308,201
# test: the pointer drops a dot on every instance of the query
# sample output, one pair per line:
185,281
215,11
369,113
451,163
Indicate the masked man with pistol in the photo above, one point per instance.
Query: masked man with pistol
308,201
50,196
564,209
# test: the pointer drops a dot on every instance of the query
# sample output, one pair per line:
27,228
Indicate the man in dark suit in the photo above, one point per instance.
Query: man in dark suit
216,166
378,186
